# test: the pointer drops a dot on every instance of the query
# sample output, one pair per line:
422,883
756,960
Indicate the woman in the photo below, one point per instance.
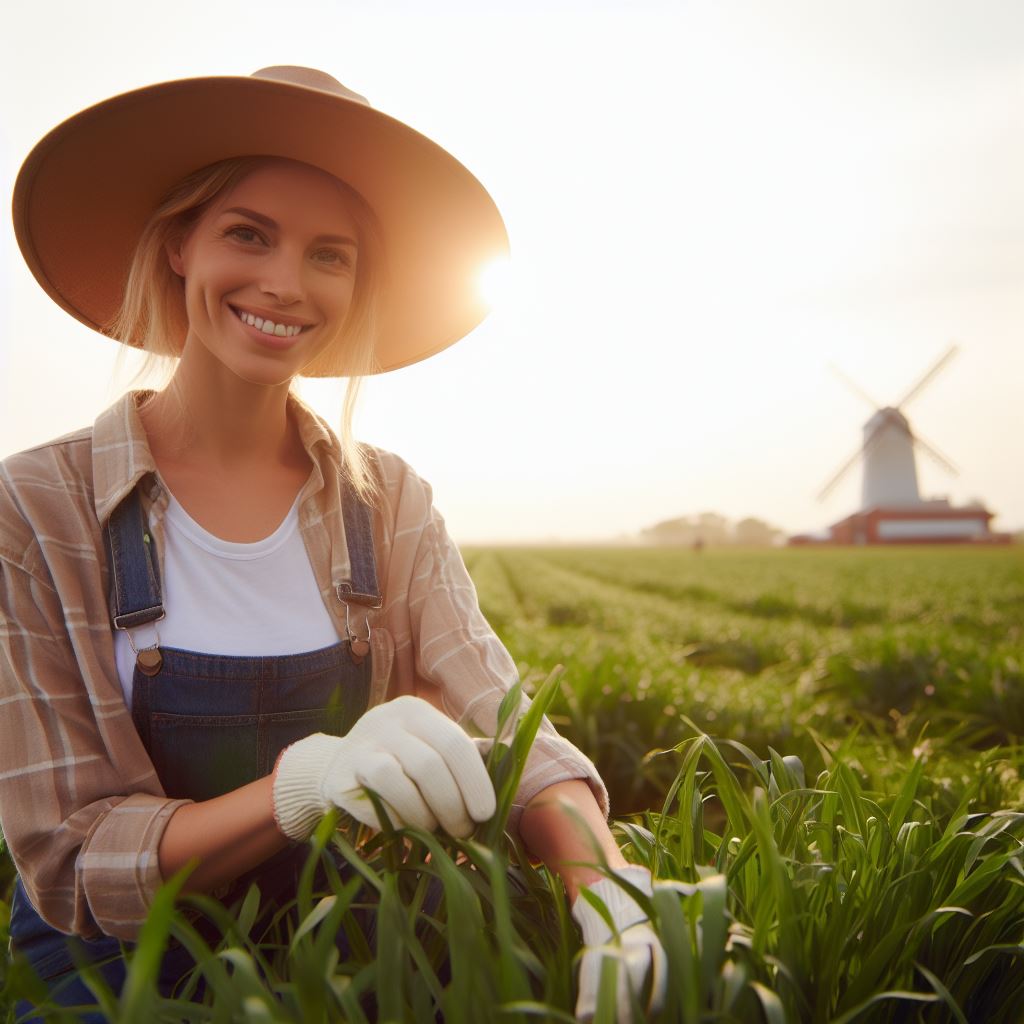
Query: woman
220,620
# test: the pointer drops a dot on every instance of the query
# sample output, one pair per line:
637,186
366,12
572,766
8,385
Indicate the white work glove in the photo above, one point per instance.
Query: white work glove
424,767
634,943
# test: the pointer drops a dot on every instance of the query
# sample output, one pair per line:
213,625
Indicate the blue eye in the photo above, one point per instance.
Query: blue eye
334,257
244,233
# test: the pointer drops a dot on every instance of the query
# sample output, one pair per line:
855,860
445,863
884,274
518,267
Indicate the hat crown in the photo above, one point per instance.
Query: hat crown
309,78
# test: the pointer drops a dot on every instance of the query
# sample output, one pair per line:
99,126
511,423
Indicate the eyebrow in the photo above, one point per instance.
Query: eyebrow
269,222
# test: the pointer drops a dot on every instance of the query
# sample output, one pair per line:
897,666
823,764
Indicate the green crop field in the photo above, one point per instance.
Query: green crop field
877,878
889,652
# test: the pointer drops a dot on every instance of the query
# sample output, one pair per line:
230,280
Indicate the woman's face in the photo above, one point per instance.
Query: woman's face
269,271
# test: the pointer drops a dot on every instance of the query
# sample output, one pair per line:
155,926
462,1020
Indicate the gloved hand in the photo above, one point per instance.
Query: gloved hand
423,766
636,946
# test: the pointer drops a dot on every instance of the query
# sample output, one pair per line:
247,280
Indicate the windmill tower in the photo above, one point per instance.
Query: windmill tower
892,510
890,470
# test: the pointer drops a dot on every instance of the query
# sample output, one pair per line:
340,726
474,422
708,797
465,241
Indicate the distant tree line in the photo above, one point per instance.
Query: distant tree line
713,530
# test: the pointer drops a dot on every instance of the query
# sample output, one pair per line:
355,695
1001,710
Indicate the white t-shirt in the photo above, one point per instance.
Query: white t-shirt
223,597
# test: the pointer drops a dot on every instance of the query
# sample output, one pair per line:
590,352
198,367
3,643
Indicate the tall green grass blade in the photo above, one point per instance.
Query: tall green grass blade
943,993
607,991
715,928
506,761
880,997
905,799
535,1009
1005,947
683,990
140,993
472,983
513,982
771,1005
390,972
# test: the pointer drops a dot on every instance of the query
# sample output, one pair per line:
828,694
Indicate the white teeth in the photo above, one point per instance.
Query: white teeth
268,326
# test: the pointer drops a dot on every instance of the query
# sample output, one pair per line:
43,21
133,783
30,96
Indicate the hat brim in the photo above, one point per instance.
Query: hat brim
86,191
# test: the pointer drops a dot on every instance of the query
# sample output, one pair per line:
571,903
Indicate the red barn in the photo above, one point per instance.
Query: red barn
926,522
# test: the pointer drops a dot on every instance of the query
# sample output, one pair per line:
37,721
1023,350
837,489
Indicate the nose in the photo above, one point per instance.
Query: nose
282,278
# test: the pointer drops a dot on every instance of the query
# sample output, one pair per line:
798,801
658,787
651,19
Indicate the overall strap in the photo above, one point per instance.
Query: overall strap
134,573
362,587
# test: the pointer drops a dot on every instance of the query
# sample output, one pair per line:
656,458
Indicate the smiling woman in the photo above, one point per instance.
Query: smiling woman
261,250
153,314
219,621
154,280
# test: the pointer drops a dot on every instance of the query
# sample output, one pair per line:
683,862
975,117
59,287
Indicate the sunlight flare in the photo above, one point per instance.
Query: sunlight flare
495,283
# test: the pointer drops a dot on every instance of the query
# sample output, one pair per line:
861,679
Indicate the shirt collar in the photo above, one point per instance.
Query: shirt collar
121,455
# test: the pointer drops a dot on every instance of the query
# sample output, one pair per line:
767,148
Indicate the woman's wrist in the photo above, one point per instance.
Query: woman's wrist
228,835
564,827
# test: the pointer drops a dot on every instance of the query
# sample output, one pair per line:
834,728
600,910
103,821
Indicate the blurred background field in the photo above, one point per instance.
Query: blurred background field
889,654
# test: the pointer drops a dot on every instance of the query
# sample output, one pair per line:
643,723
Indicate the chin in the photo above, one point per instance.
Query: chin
265,375
268,380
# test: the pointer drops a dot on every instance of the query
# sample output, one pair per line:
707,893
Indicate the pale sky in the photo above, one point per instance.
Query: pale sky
708,204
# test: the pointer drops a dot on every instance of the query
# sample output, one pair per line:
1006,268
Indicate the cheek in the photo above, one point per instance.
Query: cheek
210,281
337,300
204,296
197,300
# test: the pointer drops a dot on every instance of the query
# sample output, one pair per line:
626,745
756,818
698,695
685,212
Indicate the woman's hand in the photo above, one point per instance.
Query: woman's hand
633,944
424,767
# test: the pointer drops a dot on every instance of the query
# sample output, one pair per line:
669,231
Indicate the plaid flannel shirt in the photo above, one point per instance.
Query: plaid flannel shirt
81,807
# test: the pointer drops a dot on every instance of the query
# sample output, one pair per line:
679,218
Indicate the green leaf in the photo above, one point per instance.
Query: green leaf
771,1004
911,997
323,907
139,992
905,799
943,993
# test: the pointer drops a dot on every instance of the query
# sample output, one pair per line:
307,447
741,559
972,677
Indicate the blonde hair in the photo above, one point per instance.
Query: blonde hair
152,314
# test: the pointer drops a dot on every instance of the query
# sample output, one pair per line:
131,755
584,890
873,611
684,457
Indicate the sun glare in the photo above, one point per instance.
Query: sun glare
494,282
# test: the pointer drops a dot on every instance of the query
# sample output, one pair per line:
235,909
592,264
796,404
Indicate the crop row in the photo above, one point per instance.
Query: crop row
748,646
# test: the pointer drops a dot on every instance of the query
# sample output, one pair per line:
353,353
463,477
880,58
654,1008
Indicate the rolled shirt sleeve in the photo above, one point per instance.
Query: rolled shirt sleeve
445,650
87,858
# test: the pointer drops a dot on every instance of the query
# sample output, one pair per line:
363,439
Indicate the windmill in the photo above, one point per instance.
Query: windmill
888,448
892,510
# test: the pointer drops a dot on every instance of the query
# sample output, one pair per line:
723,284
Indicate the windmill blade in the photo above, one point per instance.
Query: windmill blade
930,449
846,466
928,377
843,470
854,387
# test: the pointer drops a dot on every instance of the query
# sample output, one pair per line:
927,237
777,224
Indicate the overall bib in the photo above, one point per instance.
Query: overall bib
212,723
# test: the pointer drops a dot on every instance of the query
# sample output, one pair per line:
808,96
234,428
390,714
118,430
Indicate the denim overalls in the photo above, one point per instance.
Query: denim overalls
212,723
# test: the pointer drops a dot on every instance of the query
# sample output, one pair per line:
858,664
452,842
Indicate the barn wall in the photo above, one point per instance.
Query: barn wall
931,529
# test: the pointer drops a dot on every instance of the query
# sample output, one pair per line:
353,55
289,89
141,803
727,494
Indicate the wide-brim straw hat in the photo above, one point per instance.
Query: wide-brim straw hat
86,191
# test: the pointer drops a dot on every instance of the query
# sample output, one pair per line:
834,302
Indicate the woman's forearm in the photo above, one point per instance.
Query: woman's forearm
233,833
229,835
562,824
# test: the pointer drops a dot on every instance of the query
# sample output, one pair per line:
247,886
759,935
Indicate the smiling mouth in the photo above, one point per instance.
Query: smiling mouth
269,326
